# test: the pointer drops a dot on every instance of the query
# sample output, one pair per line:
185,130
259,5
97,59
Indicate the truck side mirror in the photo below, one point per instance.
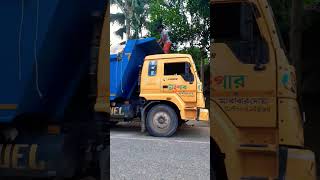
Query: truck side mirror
259,67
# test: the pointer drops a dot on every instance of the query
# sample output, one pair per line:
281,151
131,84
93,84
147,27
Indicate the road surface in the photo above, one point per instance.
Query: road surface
138,156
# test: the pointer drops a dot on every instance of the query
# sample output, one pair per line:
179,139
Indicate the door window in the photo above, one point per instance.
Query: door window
179,68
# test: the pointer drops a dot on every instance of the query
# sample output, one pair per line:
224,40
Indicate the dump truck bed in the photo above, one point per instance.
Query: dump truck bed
45,50
124,67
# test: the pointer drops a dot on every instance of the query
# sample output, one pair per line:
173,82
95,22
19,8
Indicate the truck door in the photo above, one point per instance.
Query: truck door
244,69
178,78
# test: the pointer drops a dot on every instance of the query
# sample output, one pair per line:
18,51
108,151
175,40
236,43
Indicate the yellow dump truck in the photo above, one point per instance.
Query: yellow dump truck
162,90
256,127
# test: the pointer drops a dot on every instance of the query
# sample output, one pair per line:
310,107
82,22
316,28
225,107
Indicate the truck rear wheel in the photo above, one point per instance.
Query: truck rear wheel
217,166
162,121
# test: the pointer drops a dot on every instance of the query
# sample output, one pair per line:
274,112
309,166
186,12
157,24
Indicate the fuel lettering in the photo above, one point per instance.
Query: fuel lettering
117,111
16,155
20,156
5,156
33,160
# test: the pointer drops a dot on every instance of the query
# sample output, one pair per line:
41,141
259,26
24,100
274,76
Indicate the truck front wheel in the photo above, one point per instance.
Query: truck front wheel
162,121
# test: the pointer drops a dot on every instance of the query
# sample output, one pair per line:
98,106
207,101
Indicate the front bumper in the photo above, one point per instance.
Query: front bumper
300,164
203,115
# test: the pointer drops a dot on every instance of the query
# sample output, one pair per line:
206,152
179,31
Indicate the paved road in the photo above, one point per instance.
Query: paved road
137,156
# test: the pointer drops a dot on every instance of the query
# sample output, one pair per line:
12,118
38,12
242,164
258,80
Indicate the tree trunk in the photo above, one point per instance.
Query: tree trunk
202,71
128,29
128,19
296,40
203,55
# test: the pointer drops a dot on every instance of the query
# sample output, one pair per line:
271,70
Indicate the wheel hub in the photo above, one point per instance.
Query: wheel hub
161,120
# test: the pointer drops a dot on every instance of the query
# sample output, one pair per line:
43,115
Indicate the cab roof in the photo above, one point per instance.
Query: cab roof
167,56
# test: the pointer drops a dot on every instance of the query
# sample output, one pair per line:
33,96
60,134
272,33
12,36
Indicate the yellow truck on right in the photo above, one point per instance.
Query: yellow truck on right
256,124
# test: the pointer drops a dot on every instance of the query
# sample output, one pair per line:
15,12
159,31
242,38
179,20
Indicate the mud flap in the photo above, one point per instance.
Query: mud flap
143,120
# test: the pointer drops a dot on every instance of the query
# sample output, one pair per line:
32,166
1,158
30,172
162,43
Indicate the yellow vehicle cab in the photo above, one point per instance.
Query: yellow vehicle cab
256,128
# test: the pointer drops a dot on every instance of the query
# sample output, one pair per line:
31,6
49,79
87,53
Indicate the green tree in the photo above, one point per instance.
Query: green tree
188,22
281,9
132,17
282,12
310,2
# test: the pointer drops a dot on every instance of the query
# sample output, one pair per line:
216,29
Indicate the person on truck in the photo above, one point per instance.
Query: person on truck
164,39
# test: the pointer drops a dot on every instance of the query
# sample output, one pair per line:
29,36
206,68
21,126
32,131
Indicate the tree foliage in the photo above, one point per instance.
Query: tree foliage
132,17
188,22
310,2
282,13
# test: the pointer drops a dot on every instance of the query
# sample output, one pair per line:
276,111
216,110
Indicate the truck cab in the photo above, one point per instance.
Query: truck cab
161,90
257,129
173,78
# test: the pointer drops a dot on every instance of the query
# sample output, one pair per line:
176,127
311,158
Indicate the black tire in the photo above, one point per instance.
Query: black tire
104,164
212,173
217,166
161,121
